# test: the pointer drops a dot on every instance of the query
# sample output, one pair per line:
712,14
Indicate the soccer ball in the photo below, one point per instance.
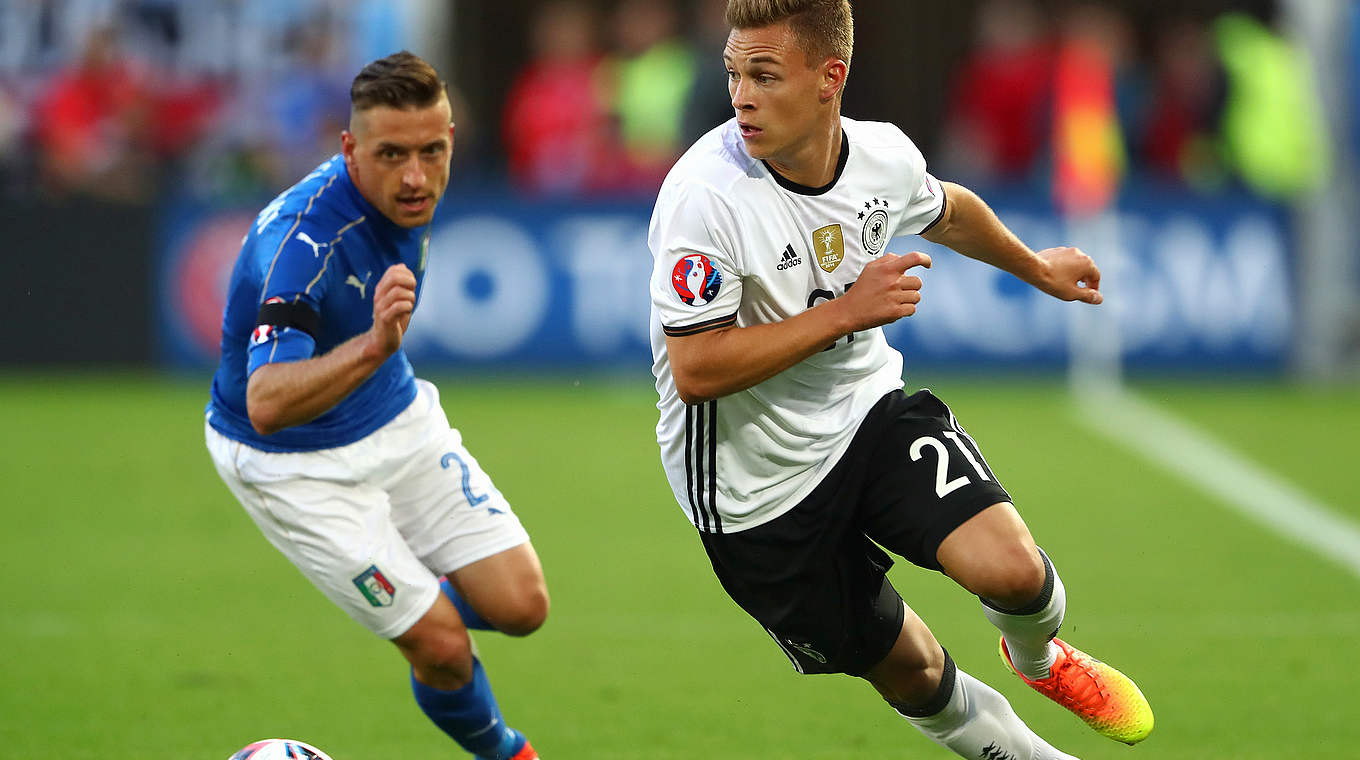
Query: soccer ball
279,749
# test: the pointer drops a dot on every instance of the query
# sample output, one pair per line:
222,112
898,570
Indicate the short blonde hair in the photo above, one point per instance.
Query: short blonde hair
822,27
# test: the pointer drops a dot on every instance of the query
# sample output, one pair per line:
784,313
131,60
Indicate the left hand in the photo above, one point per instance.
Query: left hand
1069,275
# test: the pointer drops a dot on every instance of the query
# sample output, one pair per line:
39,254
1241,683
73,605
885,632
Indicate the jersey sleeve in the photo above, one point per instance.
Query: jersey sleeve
290,297
696,278
926,200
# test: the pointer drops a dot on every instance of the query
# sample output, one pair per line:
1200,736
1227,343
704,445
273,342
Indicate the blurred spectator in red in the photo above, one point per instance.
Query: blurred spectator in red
997,122
555,124
1180,130
651,77
91,125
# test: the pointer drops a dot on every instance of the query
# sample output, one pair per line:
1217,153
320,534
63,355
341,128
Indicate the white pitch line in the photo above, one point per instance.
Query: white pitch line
1203,462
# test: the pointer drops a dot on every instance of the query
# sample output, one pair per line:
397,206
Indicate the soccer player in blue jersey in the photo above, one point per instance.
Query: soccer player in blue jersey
340,455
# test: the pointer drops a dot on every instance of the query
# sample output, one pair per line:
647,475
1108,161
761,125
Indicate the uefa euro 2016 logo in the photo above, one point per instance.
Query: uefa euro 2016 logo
696,280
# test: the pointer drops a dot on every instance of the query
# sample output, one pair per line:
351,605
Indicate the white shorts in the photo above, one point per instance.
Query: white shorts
374,523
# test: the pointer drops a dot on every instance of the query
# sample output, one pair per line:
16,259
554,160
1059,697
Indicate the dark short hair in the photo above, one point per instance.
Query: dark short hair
822,27
400,80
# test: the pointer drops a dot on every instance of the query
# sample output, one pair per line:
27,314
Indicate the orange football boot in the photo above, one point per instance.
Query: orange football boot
526,752
1106,699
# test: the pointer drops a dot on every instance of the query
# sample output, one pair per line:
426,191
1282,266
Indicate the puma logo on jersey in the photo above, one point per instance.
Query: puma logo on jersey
316,247
352,280
789,259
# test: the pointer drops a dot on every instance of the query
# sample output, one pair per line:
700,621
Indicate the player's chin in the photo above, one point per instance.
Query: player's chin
757,147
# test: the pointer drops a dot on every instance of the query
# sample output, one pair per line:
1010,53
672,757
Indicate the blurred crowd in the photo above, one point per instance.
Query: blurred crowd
239,97
1194,101
110,98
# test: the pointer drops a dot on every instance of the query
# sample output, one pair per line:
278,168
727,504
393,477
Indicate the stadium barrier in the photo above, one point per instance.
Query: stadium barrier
1194,282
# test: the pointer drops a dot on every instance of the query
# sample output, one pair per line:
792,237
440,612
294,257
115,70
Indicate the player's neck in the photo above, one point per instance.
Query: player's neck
812,163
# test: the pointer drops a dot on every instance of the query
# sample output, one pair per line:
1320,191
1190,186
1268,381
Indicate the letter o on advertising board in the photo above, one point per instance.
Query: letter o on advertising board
485,291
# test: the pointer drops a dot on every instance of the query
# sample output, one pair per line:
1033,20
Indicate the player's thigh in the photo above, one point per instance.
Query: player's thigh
815,584
338,534
446,506
928,477
994,556
506,588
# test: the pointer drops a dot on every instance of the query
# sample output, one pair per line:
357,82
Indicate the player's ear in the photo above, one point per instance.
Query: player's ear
834,72
347,145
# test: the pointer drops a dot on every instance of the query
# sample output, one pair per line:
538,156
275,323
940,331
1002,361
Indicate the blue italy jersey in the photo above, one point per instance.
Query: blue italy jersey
303,285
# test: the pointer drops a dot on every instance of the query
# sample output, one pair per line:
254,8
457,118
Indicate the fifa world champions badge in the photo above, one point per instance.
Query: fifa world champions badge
696,279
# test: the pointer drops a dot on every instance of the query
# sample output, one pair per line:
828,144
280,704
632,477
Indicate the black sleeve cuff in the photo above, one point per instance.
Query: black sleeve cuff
694,329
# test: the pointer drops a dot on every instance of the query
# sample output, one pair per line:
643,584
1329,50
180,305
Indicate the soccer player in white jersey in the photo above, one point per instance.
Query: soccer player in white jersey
784,430
342,457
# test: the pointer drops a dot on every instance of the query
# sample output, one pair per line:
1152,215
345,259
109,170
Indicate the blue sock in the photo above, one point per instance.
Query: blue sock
471,619
470,715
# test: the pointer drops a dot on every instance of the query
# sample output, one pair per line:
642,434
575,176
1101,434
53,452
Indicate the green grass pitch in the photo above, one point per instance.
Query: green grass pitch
145,617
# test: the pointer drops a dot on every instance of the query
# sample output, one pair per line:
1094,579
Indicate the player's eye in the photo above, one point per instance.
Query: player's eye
731,75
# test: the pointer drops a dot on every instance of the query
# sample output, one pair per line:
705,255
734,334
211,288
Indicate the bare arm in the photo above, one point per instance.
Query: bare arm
716,363
971,227
285,394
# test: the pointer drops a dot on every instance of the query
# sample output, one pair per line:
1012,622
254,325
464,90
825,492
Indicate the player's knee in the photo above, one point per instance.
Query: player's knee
526,612
441,658
1016,578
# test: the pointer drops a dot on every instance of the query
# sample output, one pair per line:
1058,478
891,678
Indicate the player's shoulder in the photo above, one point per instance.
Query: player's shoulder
715,163
318,200
312,212
877,134
882,139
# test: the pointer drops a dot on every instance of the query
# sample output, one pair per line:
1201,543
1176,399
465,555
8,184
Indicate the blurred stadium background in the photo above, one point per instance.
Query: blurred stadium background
1186,452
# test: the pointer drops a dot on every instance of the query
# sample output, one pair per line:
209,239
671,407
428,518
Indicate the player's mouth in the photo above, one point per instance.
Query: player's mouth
413,204
749,131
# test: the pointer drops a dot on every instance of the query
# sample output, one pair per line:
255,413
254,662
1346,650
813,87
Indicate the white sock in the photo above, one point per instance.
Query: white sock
1029,631
977,722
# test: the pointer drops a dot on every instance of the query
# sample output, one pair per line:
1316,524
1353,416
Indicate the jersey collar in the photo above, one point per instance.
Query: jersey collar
794,187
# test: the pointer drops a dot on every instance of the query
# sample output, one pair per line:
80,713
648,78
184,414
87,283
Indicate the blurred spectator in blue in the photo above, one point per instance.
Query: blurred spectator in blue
651,77
997,123
379,28
1354,80
555,125
1178,139
287,115
91,125
708,103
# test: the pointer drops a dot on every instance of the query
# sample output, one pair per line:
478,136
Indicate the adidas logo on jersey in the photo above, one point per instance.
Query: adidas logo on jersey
789,259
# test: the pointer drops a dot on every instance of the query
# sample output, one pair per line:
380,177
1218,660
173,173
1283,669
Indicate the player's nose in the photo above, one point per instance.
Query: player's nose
741,96
413,174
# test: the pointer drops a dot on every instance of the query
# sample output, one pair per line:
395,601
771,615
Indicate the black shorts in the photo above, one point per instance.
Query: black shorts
814,577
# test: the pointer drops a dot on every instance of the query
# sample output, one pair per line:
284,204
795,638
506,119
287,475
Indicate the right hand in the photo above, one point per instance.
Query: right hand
393,301
884,293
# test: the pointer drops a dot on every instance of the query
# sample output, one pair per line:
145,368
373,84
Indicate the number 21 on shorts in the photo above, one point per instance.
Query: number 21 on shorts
944,486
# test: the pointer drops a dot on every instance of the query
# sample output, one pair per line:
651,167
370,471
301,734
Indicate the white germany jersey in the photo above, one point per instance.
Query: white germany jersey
733,243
